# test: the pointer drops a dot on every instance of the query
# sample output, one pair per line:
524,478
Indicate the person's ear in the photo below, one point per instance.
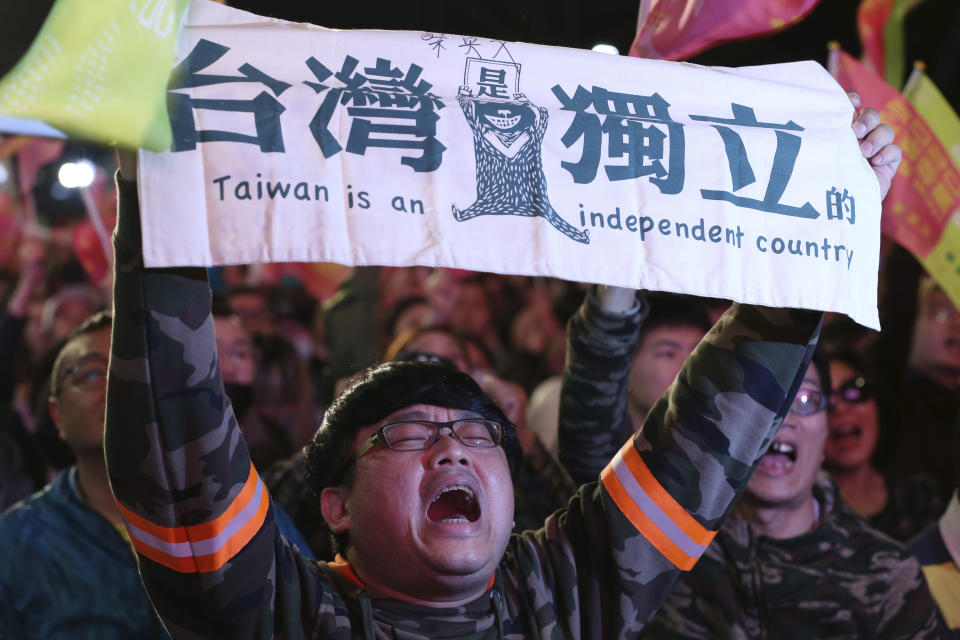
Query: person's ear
53,406
333,506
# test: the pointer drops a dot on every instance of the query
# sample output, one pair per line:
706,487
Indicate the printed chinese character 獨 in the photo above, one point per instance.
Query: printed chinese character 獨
638,128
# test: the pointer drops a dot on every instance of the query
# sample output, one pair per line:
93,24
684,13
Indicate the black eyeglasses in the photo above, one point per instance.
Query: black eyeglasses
417,435
855,390
808,402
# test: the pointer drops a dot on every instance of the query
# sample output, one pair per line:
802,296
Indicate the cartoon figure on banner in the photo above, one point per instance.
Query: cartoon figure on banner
507,137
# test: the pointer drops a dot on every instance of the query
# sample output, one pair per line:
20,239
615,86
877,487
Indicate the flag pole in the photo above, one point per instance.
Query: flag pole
94,214
919,67
833,57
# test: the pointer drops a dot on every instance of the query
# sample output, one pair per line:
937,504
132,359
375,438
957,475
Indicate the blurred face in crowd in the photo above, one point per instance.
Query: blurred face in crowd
78,404
658,361
853,420
413,317
405,282
253,310
426,525
70,313
532,330
34,333
440,343
936,336
235,351
471,313
787,472
442,293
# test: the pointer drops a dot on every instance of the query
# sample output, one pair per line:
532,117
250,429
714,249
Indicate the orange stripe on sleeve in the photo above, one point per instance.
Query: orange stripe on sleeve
198,531
643,524
687,523
213,561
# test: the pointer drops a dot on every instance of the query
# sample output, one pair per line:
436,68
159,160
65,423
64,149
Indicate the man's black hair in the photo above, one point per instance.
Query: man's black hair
96,322
674,310
379,392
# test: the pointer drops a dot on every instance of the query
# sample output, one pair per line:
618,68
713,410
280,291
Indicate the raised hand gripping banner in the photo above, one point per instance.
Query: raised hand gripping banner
297,143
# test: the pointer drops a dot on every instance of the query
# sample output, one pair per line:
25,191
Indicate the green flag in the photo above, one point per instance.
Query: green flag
98,70
894,61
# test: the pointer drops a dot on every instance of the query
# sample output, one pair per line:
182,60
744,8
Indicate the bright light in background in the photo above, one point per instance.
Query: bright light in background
606,48
4,174
76,174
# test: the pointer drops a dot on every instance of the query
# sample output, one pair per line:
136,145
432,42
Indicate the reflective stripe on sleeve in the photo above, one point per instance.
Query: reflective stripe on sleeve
652,511
206,546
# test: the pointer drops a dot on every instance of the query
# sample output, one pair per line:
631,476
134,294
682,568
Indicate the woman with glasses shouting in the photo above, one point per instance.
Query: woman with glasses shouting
899,504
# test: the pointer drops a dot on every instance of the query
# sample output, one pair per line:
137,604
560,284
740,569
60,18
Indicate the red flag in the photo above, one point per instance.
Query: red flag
926,190
89,250
10,232
32,153
90,243
880,25
872,16
678,29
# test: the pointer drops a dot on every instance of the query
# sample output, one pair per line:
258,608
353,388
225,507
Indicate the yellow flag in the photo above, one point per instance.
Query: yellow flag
99,70
943,262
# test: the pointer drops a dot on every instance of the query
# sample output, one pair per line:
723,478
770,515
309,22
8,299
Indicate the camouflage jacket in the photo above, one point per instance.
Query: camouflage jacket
841,580
215,566
844,579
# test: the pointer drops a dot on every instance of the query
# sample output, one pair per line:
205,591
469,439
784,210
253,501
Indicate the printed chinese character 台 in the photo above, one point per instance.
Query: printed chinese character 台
839,203
378,102
741,173
638,128
265,108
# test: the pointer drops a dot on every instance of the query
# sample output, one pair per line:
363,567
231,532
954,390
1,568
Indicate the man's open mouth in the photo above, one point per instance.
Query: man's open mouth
454,504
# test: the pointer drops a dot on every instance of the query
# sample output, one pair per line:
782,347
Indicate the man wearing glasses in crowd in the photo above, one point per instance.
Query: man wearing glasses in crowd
412,469
794,561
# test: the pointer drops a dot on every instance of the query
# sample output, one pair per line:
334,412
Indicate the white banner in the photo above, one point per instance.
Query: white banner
298,143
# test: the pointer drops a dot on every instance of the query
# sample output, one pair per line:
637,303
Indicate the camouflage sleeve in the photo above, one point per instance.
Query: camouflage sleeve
610,559
197,512
908,609
594,421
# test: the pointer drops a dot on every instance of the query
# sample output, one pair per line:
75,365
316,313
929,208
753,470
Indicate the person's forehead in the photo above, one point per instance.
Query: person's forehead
426,412
87,344
429,340
682,334
229,330
840,372
812,377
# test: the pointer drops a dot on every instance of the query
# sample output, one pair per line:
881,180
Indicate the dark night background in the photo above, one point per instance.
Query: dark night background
932,29
932,34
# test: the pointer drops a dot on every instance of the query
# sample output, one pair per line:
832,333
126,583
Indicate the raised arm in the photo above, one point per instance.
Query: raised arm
198,514
660,500
601,341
